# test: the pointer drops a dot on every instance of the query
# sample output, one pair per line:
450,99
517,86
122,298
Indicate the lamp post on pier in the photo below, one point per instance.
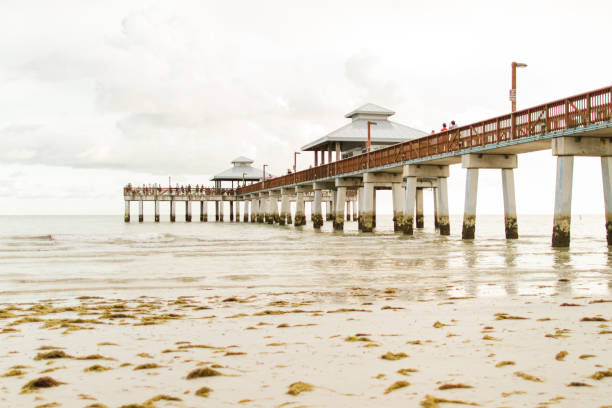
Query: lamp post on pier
369,142
263,180
515,65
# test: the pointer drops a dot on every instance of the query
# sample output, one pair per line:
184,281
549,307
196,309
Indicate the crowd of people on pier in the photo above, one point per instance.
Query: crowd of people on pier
452,126
157,189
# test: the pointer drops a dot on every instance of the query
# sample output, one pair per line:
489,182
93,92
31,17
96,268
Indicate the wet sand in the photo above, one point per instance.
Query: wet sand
359,346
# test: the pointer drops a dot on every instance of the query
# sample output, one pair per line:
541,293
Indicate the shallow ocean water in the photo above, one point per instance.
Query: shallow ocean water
42,256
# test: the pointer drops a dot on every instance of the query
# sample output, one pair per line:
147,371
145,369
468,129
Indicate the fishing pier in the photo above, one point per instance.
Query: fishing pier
579,125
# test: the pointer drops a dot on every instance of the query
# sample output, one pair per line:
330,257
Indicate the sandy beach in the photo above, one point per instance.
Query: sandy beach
360,346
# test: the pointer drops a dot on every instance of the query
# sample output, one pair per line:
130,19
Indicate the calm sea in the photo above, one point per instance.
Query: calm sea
55,256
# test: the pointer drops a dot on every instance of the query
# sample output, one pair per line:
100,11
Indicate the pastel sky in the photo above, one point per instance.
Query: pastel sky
98,93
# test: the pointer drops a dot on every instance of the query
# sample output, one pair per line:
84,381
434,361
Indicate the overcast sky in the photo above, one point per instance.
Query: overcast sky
98,93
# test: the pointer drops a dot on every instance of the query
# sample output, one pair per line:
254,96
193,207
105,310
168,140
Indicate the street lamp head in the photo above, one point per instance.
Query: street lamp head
520,64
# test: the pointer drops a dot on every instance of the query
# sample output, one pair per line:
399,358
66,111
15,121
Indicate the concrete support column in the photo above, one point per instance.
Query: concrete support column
237,219
409,205
216,210
172,211
156,211
317,217
289,219
374,208
140,211
348,210
367,215
261,209
187,211
360,196
328,211
245,216
231,209
443,216
285,208
435,202
509,204
203,211
274,204
300,218
126,216
398,220
606,173
340,204
420,221
221,211
469,213
563,202
333,207
254,209
355,217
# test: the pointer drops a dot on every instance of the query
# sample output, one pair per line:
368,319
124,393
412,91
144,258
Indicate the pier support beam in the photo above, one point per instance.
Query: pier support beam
435,204
420,221
332,204
563,202
285,208
443,216
360,196
398,208
203,211
469,213
274,207
300,218
367,215
328,210
475,161
231,210
409,204
606,172
172,211
126,216
237,214
340,205
355,217
216,210
156,211
509,204
254,208
140,211
187,211
261,209
317,216
439,172
221,211
245,216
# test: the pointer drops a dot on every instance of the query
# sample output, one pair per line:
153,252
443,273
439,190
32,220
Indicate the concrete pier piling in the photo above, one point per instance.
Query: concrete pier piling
261,208
274,204
285,208
340,205
245,217
172,211
374,207
300,218
360,196
231,211
563,202
443,216
328,210
367,216
510,220
237,211
216,211
420,220
469,213
435,205
156,211
606,172
355,216
409,205
140,211
333,208
398,210
203,211
187,211
221,211
126,216
317,217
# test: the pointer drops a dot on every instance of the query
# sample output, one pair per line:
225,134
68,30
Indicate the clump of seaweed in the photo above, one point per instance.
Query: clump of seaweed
396,386
298,387
560,356
433,402
147,366
407,371
393,356
439,325
600,375
42,382
504,363
235,353
527,377
585,356
593,319
203,392
356,338
150,403
506,316
453,386
13,373
54,354
97,368
490,338
578,384
203,372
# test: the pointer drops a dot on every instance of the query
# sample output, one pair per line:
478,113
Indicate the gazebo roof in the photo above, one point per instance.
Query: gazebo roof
241,168
242,159
355,134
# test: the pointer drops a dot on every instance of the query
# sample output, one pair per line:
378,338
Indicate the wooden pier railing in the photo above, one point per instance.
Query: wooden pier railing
563,114
186,191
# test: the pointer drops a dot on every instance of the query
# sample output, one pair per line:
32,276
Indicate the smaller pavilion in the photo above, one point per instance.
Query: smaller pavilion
350,140
241,172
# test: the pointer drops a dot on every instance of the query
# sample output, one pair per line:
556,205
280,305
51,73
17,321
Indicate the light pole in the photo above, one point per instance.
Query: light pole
369,142
515,65
263,181
295,161
243,180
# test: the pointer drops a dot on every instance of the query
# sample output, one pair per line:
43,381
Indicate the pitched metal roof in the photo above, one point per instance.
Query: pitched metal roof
356,132
370,109
236,172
